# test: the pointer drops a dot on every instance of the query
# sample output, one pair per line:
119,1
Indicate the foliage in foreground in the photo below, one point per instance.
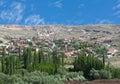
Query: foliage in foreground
100,74
114,71
38,77
109,72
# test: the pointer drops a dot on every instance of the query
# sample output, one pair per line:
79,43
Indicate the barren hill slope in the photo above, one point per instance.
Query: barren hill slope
109,34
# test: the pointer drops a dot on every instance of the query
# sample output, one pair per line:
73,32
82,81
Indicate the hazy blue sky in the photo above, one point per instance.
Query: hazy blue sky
69,12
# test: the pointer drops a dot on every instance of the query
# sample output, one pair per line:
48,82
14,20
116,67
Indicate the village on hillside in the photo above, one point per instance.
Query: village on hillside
57,54
68,46
46,39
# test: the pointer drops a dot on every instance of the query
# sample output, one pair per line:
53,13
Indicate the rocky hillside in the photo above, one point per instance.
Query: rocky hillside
107,34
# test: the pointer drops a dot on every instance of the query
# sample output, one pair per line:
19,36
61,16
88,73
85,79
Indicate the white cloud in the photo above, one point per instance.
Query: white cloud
117,13
34,20
116,9
104,21
14,13
57,4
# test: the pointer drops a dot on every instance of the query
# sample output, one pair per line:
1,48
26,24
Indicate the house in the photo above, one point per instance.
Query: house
111,52
69,53
4,45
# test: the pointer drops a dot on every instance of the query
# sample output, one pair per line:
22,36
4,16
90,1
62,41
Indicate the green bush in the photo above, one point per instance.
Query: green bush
114,71
70,76
100,74
94,74
49,68
104,74
75,76
36,77
61,71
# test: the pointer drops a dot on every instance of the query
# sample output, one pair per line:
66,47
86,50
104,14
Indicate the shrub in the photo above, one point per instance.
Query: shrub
104,74
49,68
114,71
94,74
75,76
38,77
63,75
61,71
100,74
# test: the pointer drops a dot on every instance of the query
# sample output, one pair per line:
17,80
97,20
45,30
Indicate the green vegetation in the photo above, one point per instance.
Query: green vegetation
48,67
38,77
86,63
100,74
114,71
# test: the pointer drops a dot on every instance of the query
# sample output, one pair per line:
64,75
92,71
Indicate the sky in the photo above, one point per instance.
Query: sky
65,12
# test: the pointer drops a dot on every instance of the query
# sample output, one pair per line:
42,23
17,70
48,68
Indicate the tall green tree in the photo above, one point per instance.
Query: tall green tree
40,53
35,60
62,59
25,58
86,63
12,65
56,59
3,61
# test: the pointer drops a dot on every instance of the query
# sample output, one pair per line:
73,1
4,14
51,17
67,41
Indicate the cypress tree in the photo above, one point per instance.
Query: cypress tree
11,65
49,57
56,59
29,59
104,54
43,57
18,64
86,63
62,59
54,56
18,60
39,56
19,53
7,71
29,55
35,60
3,61
25,58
